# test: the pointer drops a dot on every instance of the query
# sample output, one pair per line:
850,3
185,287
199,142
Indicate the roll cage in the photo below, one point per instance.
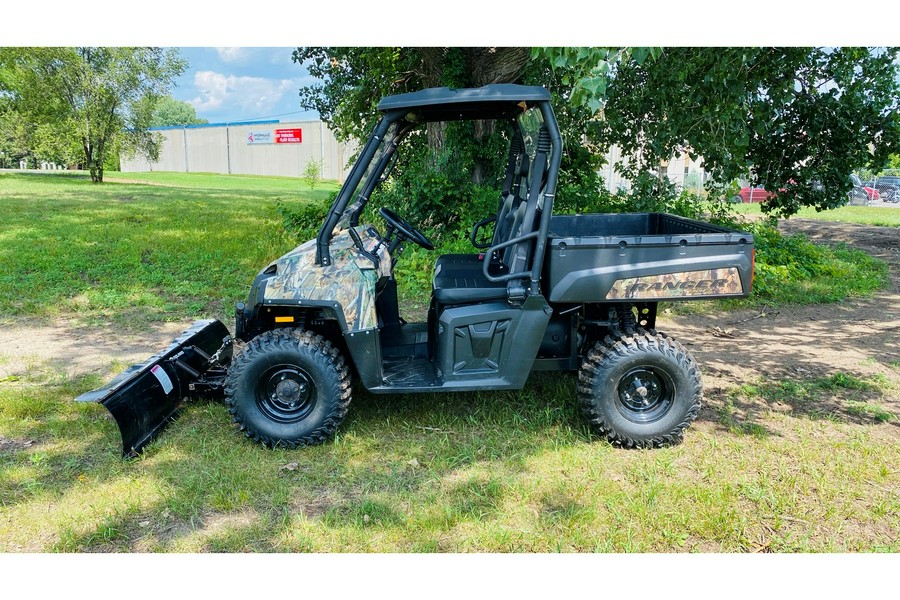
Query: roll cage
404,112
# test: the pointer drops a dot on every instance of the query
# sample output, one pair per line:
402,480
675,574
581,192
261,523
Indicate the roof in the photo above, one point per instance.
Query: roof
491,101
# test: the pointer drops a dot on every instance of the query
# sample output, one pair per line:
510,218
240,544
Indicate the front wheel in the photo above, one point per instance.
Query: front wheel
640,390
289,388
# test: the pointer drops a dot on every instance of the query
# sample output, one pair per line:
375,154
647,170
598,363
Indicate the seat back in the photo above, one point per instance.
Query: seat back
518,256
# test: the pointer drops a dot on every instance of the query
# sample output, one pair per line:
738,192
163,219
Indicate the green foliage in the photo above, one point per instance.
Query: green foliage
351,82
171,112
587,71
303,220
312,172
797,120
434,192
791,269
91,96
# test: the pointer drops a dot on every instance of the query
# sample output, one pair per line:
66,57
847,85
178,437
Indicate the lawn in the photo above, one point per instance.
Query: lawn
133,253
474,472
864,215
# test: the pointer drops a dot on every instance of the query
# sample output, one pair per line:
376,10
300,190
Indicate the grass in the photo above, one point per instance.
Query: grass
504,472
786,466
863,215
136,253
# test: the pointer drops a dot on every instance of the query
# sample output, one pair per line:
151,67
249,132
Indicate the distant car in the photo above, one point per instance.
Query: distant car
755,194
888,186
872,193
857,196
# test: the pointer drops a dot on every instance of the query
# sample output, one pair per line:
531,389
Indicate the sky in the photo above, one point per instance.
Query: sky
230,84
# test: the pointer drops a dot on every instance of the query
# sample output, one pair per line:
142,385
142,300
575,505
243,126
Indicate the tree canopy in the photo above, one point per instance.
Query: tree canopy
94,96
171,112
796,120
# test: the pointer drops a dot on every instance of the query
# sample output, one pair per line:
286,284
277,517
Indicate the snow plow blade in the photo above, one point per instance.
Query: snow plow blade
144,398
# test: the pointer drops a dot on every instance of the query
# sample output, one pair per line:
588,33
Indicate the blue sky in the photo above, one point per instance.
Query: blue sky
243,84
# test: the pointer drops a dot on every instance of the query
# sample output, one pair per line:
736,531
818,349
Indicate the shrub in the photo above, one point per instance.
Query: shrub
312,172
304,220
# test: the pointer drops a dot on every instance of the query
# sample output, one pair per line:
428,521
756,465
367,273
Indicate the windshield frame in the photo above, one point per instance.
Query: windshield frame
361,172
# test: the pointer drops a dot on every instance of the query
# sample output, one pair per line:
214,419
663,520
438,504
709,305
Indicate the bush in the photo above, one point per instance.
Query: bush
304,220
792,269
312,173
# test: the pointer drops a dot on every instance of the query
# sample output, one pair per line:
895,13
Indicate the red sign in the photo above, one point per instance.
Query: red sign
288,136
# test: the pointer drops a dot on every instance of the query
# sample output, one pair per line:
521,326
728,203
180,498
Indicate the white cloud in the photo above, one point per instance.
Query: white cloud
245,97
233,53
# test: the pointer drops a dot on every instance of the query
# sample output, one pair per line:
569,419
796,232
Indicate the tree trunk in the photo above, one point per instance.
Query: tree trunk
496,65
483,66
493,65
432,75
89,159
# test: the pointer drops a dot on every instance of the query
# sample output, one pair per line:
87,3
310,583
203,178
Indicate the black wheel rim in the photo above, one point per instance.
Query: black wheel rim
645,394
286,394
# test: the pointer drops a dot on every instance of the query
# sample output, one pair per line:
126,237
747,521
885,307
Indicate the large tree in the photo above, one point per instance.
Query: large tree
797,120
353,80
97,96
171,112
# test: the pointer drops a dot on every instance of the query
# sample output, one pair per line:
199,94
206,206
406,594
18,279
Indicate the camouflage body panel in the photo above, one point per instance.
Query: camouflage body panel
349,280
711,282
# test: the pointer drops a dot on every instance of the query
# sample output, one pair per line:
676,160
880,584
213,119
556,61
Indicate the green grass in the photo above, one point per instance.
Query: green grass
133,253
504,471
840,397
863,215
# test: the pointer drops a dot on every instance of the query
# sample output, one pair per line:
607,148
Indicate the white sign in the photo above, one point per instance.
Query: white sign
260,137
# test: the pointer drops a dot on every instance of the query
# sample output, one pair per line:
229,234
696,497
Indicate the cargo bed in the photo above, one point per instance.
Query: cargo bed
645,256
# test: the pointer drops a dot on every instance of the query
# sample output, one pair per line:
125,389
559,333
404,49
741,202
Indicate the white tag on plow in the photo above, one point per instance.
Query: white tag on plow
163,378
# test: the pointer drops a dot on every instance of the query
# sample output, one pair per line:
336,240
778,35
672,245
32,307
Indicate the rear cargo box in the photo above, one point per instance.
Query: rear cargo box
645,256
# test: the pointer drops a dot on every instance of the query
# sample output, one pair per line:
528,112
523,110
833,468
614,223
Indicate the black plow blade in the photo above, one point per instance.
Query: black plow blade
144,398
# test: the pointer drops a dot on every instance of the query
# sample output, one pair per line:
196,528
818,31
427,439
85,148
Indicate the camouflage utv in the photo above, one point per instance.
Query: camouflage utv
539,292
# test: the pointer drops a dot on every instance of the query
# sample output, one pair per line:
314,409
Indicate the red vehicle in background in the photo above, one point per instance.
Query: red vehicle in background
872,193
755,194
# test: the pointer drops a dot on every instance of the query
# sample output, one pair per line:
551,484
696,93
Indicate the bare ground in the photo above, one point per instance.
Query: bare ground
796,343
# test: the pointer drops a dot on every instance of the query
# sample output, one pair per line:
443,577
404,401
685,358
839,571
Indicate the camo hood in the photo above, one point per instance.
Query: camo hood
349,280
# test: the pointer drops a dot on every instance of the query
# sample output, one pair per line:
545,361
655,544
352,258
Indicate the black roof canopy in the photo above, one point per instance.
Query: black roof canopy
495,101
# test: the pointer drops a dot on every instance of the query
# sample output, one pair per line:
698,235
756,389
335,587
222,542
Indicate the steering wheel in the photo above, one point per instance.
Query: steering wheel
405,229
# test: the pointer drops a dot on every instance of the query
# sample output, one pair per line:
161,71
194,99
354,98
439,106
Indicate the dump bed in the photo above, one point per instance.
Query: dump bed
645,256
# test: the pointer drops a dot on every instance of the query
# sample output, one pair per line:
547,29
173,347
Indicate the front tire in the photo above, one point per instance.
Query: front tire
288,388
640,389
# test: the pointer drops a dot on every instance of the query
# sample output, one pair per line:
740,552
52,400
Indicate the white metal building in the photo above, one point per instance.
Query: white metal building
249,148
682,169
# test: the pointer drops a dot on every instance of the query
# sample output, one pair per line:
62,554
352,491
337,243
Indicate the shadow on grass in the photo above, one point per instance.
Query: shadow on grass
418,467
451,448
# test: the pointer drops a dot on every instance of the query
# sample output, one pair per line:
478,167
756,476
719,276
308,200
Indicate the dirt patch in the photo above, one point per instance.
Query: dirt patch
804,343
75,349
8,445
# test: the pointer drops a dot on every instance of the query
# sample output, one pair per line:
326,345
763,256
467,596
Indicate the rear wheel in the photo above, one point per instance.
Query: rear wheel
641,389
288,388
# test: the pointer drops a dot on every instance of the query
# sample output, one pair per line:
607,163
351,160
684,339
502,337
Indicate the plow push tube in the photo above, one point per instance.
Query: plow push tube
144,398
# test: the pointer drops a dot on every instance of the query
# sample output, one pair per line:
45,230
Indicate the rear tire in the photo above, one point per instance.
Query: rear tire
640,389
288,388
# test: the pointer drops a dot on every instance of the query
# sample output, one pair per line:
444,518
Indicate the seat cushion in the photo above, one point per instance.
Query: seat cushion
462,287
455,262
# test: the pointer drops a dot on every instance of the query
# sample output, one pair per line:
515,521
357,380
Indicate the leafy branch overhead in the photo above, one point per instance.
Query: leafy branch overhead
795,120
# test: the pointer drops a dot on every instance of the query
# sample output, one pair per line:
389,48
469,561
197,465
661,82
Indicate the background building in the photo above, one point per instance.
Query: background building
256,148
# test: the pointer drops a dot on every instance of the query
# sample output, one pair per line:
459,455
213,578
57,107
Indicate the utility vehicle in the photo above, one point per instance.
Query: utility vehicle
539,292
